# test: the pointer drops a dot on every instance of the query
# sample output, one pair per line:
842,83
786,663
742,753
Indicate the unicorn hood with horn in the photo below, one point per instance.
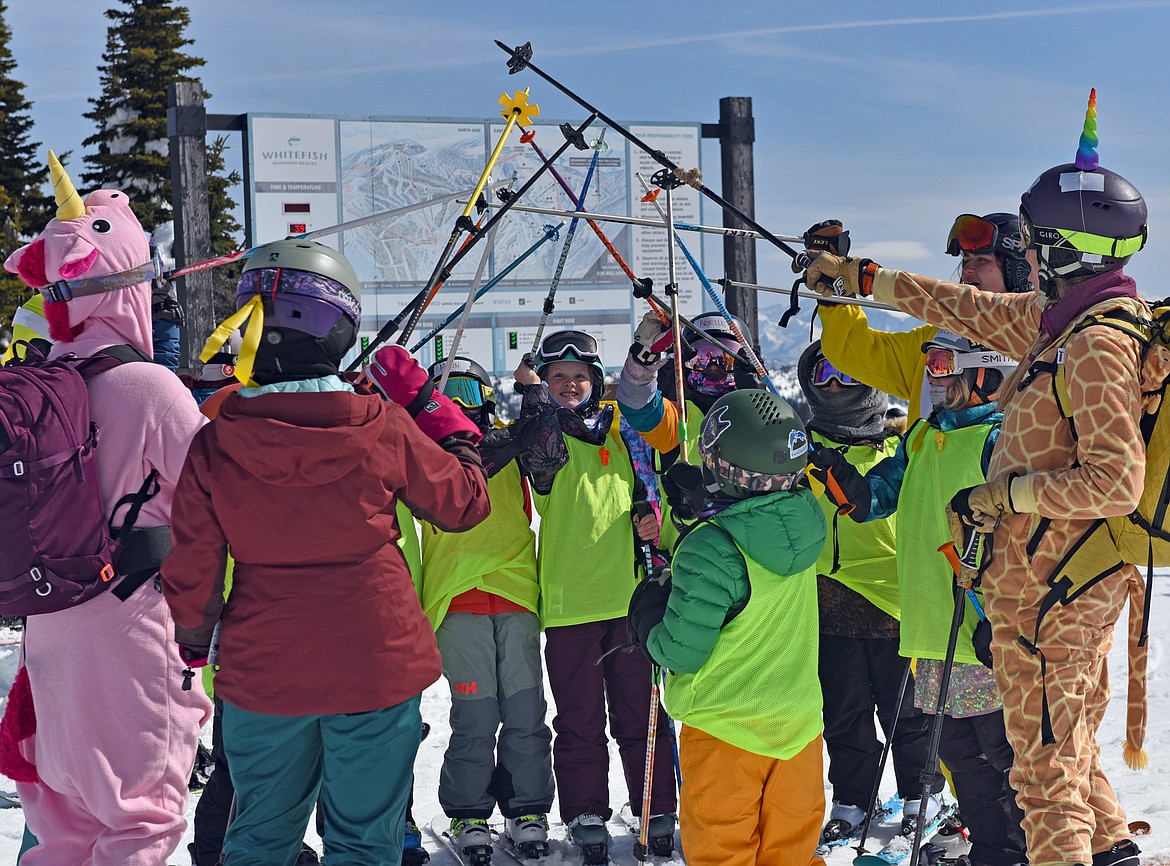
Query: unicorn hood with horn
93,266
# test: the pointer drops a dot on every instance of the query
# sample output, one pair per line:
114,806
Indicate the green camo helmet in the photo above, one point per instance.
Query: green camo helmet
753,442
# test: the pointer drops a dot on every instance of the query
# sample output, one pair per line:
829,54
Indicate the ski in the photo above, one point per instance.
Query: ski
898,849
634,825
880,814
480,855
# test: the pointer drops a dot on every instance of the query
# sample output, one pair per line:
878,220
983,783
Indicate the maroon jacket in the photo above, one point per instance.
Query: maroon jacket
323,616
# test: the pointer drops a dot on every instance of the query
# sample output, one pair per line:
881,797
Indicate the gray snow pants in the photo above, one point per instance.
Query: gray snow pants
492,664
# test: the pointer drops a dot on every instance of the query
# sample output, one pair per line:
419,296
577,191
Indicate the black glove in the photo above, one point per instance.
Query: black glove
683,485
648,608
844,485
981,639
744,374
501,445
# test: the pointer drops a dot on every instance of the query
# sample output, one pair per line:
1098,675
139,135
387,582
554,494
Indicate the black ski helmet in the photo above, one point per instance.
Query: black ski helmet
997,233
468,383
1082,218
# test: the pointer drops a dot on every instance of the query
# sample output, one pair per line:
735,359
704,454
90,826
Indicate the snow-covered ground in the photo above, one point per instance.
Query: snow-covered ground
1145,795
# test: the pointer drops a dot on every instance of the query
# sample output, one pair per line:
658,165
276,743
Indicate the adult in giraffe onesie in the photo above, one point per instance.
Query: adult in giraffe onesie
102,772
1049,479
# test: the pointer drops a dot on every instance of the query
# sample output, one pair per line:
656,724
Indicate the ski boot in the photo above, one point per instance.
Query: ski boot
588,833
413,853
911,813
1122,854
529,834
474,839
843,822
307,857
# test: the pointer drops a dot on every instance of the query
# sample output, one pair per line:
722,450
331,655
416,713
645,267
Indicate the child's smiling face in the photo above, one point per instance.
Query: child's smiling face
569,382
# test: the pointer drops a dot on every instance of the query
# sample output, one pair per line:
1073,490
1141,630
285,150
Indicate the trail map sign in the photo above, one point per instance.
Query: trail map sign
306,173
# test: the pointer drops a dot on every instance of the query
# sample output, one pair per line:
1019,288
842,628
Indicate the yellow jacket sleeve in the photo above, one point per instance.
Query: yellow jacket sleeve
889,361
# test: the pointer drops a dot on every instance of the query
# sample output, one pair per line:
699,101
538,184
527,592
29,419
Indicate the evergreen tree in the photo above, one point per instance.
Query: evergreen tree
224,228
143,56
24,208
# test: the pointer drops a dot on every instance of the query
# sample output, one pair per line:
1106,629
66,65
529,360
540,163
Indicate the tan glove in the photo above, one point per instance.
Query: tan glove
829,275
984,505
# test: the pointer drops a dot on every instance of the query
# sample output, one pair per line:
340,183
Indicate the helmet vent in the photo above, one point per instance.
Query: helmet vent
1104,205
768,410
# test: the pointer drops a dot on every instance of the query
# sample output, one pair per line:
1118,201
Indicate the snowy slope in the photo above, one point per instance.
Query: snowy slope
1146,795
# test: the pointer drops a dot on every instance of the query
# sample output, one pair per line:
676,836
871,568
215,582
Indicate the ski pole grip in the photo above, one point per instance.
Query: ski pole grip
642,508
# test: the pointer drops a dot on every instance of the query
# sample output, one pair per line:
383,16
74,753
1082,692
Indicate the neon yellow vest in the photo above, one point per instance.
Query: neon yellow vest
408,543
497,556
759,690
866,550
586,554
695,416
939,466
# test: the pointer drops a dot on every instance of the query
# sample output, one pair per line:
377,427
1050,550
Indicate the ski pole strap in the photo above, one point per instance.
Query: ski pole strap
67,290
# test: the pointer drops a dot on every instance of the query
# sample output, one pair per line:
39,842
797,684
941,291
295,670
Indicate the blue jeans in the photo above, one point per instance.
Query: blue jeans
166,343
359,763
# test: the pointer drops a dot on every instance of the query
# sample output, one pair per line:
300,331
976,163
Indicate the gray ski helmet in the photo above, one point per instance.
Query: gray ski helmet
307,287
468,383
1001,237
752,442
1082,222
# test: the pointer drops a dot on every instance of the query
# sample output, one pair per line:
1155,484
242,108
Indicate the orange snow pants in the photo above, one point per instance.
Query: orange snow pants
1070,809
743,809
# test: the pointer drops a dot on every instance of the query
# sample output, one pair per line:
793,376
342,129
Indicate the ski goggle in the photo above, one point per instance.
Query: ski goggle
753,482
297,291
972,234
942,362
708,353
1082,242
467,392
568,345
824,373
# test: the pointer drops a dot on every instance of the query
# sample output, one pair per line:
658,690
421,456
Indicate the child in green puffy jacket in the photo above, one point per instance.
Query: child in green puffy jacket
735,622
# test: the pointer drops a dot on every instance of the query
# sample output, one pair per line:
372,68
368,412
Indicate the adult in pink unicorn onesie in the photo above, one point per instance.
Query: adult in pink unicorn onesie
115,733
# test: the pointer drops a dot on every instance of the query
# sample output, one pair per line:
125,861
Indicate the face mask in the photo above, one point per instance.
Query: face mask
938,395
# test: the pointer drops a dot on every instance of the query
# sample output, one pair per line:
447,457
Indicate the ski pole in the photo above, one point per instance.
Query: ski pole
649,223
667,181
549,302
591,221
805,293
873,794
550,233
227,259
517,110
642,849
753,359
483,260
520,58
930,771
573,136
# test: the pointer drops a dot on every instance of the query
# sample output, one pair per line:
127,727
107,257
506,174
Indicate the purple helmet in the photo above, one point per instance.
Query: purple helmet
1083,222
306,286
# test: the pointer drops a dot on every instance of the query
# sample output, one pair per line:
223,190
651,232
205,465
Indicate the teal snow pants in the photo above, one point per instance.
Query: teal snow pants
359,763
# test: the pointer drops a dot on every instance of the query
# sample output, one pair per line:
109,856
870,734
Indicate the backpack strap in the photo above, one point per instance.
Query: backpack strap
107,359
136,551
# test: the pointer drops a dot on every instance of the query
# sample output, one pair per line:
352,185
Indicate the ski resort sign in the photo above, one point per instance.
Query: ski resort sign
308,173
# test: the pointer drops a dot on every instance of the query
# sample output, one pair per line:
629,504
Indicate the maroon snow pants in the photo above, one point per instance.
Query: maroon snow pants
582,690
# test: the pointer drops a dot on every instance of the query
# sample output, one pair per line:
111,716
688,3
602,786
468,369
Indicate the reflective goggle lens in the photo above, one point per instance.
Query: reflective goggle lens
465,392
558,345
940,362
824,373
971,234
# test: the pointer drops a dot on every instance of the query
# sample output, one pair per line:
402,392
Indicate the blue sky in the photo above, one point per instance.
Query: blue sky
893,117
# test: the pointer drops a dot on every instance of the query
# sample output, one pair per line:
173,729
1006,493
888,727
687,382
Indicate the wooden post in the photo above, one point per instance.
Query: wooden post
737,133
187,130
